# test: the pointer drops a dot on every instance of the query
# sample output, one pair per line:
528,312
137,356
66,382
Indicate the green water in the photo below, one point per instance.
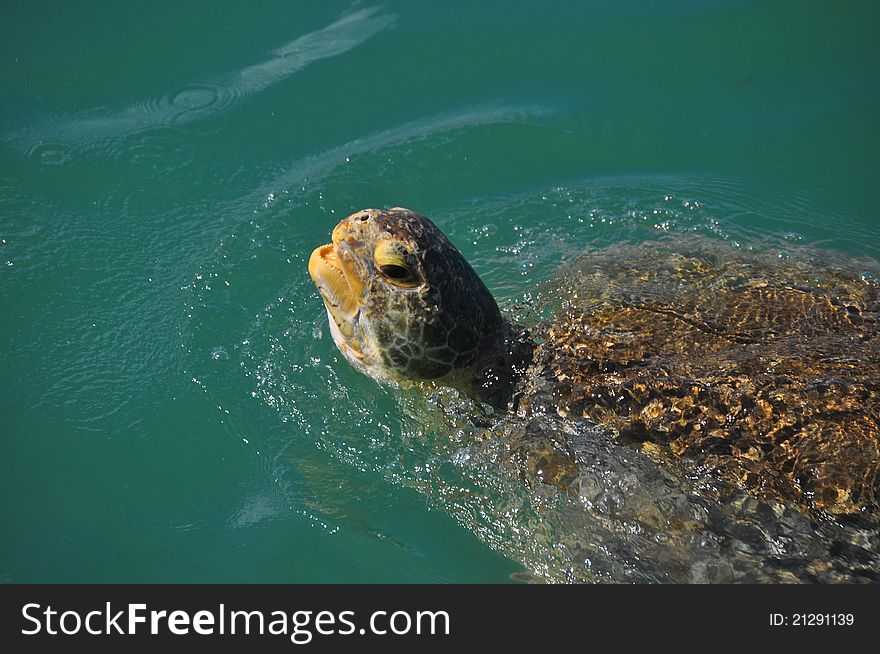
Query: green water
171,405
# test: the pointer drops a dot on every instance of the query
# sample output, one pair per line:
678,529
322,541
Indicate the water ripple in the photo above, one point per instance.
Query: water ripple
317,166
111,133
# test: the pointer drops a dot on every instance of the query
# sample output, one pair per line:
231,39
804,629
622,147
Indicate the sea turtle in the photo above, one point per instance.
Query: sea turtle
766,372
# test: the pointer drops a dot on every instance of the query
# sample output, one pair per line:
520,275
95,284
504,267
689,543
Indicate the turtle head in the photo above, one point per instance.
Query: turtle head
402,302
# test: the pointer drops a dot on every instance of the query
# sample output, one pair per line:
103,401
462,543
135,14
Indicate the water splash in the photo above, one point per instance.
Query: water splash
609,529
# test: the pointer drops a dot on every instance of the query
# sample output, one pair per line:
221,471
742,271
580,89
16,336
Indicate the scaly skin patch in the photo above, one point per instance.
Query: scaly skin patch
404,302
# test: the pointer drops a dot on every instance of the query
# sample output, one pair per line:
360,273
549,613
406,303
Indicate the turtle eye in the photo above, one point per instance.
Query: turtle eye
391,262
393,271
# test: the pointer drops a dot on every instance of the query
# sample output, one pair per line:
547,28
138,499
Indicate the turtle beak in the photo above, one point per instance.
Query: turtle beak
336,272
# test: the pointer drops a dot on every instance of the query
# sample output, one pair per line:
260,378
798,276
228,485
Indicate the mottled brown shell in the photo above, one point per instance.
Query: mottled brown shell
765,371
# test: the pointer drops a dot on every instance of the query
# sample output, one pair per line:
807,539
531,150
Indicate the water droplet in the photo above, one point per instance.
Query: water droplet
219,353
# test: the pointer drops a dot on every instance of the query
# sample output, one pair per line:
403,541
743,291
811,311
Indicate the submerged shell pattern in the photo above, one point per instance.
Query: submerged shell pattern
767,372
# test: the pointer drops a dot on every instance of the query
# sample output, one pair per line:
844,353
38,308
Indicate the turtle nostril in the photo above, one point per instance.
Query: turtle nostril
364,216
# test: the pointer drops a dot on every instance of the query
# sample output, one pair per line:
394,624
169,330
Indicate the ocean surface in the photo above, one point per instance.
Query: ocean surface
172,407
